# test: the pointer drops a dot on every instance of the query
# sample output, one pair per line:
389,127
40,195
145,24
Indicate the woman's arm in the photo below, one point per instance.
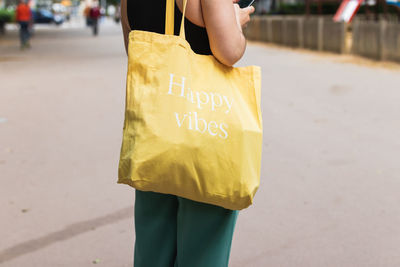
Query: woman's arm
223,21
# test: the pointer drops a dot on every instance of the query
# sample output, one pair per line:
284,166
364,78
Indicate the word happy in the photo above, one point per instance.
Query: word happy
202,100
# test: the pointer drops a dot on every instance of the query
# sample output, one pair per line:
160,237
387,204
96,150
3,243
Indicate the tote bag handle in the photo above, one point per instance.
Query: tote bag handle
169,18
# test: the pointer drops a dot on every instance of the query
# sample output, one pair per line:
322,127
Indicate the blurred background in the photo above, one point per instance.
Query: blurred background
57,12
330,179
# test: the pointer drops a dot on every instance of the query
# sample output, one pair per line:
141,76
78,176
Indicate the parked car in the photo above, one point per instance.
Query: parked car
46,16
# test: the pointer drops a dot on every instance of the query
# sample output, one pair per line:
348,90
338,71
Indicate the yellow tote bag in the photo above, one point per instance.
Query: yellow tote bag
192,125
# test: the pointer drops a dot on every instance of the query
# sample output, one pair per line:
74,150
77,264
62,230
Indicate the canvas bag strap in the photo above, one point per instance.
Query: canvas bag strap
169,18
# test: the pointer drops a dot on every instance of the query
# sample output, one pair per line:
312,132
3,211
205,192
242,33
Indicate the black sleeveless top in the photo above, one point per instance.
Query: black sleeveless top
146,15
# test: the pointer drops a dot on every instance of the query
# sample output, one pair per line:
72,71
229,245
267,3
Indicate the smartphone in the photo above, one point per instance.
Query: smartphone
245,3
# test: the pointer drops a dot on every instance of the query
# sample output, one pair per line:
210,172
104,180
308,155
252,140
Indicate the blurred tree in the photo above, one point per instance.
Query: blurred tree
113,2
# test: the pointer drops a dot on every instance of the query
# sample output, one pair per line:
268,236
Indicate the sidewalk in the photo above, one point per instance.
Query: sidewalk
330,186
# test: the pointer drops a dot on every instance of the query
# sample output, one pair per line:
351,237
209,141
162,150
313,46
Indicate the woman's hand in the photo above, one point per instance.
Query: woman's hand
242,14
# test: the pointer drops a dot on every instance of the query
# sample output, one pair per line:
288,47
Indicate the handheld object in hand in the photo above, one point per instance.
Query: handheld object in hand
245,3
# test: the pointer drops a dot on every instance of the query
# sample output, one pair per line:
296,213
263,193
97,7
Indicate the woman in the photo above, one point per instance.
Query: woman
172,231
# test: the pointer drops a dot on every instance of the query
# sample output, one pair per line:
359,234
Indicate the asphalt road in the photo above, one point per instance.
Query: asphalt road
330,184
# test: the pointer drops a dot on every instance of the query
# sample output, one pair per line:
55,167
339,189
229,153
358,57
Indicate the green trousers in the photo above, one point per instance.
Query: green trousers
175,232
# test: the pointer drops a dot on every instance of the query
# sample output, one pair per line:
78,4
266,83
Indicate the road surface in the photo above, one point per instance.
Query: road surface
330,184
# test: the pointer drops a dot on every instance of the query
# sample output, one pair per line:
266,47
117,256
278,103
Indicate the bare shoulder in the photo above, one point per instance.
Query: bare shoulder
193,11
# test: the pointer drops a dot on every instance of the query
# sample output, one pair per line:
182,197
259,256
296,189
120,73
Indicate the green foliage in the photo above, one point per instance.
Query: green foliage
328,8
300,8
7,15
390,8
291,9
113,2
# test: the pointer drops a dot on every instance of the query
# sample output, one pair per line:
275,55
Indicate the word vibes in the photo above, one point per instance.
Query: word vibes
202,100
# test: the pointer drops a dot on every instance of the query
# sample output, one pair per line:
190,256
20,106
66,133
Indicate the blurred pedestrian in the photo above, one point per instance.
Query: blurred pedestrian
86,14
94,17
24,18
